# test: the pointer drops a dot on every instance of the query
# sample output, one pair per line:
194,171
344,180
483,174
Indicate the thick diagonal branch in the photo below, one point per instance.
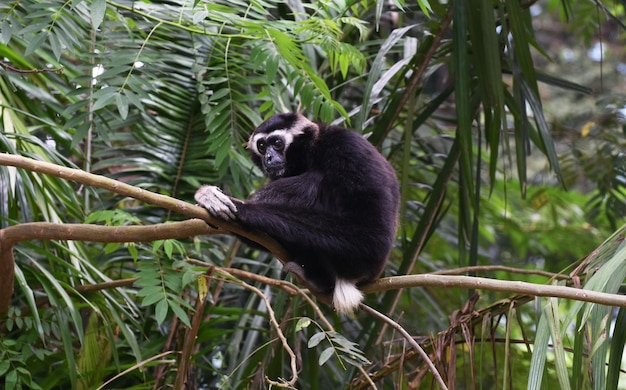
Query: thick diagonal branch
13,234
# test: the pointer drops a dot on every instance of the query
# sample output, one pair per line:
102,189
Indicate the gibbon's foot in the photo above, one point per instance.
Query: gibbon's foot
216,202
296,269
345,297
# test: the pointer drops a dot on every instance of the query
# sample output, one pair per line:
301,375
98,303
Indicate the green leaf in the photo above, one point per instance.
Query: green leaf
36,43
376,70
554,324
122,104
105,96
11,380
271,68
316,339
153,298
547,144
425,7
486,50
132,250
219,94
540,354
29,296
521,41
160,311
182,315
461,68
325,355
150,291
98,9
55,45
111,247
7,32
156,245
168,247
189,277
617,351
303,323
4,367
100,216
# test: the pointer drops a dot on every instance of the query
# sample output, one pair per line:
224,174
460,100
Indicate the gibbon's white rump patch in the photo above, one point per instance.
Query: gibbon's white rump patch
346,296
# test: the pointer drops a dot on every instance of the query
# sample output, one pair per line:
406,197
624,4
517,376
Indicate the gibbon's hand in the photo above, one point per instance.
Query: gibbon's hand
216,202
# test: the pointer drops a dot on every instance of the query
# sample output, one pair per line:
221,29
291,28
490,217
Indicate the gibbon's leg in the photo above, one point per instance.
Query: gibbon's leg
306,229
324,286
317,271
342,294
354,246
317,242
321,246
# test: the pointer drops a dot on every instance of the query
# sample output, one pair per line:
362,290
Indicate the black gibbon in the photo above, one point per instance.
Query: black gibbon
332,202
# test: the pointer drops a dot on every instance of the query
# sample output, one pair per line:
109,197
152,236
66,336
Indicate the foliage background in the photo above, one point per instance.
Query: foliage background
487,110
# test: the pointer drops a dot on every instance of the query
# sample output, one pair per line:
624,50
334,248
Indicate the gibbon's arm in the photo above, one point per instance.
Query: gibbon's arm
290,225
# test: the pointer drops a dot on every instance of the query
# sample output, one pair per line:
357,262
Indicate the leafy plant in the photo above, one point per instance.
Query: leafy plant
162,97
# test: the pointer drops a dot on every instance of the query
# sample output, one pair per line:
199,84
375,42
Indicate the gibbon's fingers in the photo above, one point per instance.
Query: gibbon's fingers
216,202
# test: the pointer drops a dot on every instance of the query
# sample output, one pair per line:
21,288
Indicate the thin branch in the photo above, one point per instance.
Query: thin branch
366,376
11,235
12,68
409,339
89,288
281,336
138,366
492,268
476,318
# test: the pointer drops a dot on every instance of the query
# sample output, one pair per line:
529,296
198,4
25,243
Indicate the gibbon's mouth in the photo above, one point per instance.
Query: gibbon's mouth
275,172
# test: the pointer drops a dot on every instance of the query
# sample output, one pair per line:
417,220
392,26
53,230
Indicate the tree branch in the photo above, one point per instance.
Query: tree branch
83,232
166,202
42,230
508,286
420,351
98,233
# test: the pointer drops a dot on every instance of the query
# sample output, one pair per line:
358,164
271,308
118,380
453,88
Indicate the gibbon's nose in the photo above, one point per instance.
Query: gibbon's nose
272,159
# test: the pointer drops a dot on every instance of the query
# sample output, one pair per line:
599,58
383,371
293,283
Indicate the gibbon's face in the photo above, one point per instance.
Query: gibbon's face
270,141
272,150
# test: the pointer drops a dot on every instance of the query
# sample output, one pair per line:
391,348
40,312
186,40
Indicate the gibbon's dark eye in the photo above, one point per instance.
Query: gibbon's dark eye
278,144
261,146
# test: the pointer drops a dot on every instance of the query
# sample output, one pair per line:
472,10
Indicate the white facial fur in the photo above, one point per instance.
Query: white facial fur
286,134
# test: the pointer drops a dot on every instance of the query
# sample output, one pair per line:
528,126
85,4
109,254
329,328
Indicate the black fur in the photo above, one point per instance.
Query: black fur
335,207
